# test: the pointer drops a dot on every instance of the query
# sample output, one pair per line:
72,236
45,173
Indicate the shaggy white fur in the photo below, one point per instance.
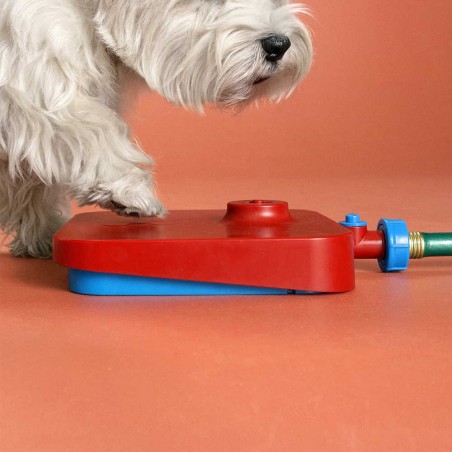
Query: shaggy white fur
60,62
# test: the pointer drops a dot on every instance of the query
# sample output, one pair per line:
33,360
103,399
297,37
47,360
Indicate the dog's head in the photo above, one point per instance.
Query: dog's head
194,52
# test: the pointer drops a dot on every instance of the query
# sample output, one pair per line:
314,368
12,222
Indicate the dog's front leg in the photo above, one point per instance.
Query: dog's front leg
107,168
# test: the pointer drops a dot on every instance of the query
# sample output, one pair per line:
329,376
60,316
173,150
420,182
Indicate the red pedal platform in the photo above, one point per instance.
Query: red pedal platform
253,243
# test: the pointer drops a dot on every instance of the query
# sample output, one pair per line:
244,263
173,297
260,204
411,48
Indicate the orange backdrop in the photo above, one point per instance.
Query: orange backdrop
378,103
369,370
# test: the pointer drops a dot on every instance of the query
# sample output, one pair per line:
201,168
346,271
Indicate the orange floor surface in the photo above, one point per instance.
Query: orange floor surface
369,370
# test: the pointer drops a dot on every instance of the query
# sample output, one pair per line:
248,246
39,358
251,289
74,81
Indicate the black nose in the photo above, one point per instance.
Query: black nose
275,47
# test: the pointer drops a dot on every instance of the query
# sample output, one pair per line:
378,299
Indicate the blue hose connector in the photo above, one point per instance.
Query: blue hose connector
397,244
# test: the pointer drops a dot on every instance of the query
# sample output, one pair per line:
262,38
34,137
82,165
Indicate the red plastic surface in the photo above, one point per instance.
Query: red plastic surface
258,243
368,244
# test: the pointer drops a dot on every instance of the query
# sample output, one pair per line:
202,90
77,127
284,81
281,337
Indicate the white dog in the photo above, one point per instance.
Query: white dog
60,62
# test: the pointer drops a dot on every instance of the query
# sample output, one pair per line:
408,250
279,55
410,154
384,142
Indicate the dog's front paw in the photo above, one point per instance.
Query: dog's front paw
130,195
151,208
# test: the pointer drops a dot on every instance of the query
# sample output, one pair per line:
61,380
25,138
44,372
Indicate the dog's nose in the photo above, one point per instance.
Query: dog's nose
275,47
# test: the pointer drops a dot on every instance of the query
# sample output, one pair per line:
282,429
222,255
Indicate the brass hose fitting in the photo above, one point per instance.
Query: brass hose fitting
417,245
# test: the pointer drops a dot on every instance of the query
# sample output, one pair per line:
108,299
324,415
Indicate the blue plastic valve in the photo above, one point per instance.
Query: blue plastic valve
352,220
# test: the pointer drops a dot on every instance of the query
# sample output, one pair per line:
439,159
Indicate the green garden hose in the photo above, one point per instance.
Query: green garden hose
423,244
